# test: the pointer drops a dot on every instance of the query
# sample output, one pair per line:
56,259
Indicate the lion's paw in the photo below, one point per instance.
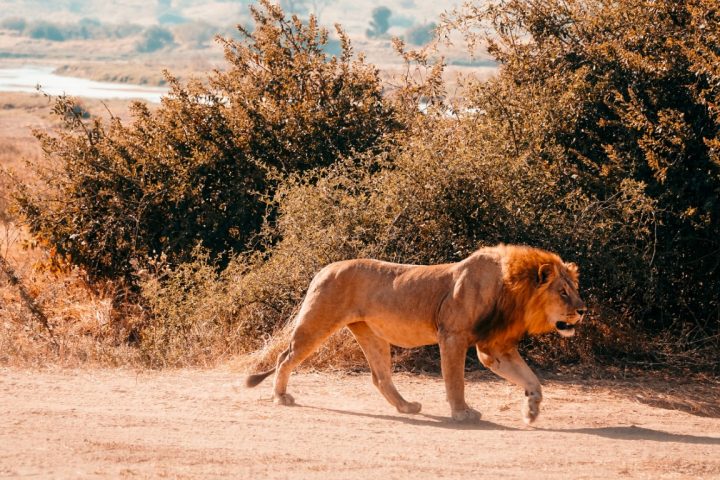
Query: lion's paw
468,415
531,406
410,407
284,399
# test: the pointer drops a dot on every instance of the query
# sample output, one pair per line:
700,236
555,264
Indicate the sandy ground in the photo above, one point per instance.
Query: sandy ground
204,424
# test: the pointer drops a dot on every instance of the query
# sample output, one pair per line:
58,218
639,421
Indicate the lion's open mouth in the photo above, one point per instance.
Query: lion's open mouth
565,329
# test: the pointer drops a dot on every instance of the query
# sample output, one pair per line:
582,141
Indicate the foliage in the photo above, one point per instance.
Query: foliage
45,31
85,29
597,139
187,304
627,91
421,34
198,169
17,24
380,22
154,38
572,147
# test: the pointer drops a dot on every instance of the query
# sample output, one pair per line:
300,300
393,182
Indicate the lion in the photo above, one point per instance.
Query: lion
490,300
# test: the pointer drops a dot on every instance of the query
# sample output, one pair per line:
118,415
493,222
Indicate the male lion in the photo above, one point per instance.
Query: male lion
490,300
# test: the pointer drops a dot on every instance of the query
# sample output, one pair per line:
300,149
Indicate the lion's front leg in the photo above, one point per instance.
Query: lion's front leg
531,405
513,368
452,363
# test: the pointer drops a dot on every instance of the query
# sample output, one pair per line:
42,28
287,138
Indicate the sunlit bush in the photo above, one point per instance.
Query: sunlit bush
598,139
198,170
627,94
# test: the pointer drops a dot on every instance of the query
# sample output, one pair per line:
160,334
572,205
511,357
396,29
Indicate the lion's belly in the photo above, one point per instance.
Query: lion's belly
403,332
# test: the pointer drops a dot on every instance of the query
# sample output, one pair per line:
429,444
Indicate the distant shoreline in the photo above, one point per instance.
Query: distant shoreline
26,79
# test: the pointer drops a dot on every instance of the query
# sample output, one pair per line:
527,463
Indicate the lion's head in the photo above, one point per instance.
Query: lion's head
563,307
545,291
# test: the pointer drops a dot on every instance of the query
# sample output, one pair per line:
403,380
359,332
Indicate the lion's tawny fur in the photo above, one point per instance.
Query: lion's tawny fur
490,300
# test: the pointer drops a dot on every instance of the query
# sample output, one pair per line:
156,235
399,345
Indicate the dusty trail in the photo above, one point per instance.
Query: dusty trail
203,424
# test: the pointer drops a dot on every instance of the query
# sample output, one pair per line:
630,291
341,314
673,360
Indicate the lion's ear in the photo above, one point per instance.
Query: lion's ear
545,273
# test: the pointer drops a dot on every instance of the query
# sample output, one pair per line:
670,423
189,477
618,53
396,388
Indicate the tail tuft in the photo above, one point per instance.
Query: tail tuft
255,379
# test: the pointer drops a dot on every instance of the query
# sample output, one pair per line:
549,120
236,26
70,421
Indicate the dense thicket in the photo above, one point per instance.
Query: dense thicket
628,91
598,139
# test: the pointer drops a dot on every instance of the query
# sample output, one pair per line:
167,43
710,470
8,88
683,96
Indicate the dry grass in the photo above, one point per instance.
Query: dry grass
85,326
20,114
697,398
144,72
81,324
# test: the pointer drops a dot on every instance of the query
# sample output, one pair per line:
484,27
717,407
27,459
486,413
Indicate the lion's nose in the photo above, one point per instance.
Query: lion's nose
581,311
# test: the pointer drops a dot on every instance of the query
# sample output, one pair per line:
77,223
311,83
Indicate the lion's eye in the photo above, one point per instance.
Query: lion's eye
564,294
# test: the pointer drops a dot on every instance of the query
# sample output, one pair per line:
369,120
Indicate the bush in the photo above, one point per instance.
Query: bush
187,304
557,151
154,38
198,170
45,31
421,34
16,24
380,22
452,187
598,139
626,93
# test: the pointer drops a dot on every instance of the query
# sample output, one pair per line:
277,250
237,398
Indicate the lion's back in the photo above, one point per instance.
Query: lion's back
375,290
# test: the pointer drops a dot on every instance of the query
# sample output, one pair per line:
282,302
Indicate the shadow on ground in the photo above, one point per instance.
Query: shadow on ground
630,432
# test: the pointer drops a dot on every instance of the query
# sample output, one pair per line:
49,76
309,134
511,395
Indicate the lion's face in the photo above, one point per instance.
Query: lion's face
563,306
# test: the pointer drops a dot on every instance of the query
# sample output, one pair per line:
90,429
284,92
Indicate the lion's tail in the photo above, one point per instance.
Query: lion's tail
255,379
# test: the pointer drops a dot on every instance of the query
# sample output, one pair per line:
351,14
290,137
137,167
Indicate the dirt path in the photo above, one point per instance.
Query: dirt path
202,424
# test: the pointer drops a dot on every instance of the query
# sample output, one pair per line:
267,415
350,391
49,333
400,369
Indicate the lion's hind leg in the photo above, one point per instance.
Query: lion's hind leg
306,338
377,353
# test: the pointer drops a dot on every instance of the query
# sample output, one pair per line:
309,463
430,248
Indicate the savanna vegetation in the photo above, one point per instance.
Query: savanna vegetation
205,219
84,29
